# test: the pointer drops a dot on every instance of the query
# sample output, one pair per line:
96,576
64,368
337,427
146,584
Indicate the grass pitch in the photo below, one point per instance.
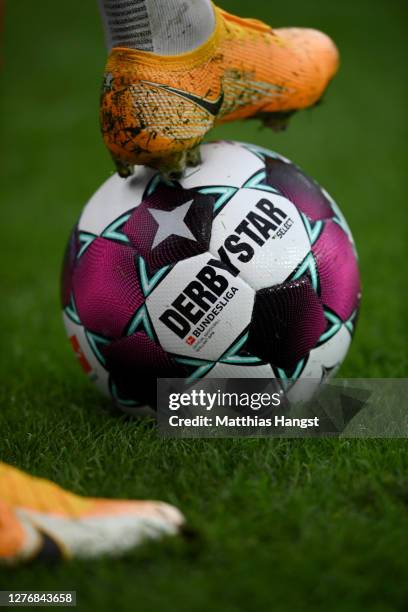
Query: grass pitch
283,524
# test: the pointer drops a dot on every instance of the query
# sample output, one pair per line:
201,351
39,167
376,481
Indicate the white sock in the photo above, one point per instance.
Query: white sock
166,27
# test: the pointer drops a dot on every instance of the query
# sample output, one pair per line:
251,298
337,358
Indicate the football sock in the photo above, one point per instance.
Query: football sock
165,27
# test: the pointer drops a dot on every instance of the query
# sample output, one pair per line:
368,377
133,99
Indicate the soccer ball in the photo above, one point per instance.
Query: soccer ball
245,267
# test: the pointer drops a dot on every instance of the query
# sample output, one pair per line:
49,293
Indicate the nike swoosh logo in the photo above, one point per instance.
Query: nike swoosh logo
212,107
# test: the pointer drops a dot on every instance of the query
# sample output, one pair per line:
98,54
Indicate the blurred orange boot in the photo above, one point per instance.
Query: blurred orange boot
39,519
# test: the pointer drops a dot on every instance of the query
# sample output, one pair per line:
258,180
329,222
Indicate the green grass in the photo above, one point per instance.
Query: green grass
291,524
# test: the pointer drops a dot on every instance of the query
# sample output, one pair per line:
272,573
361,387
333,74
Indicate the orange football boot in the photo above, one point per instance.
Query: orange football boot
156,109
39,519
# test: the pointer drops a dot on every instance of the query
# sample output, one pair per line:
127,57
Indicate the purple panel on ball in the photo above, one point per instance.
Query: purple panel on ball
106,287
338,270
135,362
71,251
147,229
287,321
303,191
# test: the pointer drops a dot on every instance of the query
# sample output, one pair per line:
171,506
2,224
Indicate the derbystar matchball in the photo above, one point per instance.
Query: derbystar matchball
245,267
